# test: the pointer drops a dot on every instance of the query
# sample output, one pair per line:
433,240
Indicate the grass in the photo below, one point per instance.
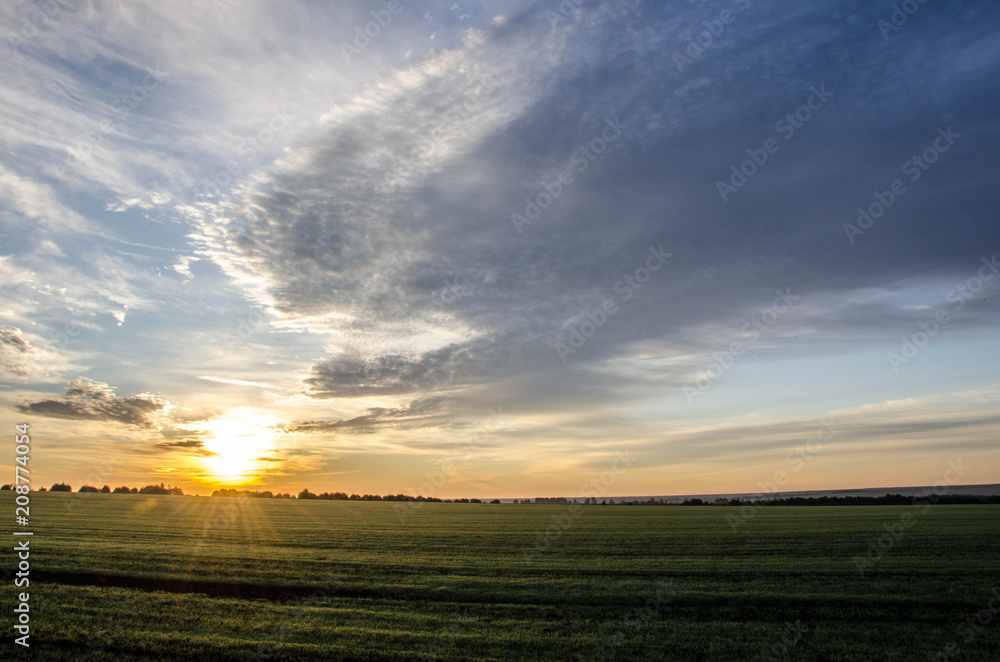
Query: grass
284,580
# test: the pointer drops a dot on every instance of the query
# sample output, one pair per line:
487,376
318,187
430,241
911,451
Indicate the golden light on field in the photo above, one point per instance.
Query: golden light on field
239,441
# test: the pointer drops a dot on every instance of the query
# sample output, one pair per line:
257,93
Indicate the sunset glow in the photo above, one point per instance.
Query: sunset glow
239,442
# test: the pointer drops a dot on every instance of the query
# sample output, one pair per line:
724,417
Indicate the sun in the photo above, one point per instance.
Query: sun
238,441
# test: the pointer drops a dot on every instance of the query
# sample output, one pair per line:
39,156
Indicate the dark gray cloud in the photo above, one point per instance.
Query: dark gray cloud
180,437
421,413
16,354
10,338
395,222
90,400
454,366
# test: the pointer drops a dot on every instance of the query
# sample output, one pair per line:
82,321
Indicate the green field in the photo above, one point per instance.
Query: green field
162,578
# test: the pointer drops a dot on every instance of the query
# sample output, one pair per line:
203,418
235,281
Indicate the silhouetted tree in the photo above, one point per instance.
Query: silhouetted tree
249,494
60,487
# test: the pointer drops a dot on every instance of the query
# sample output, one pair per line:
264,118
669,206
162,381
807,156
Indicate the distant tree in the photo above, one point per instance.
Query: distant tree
495,501
60,487
475,501
355,497
306,494
105,490
122,490
88,488
175,491
244,494
5,487
154,489
397,497
42,489
134,490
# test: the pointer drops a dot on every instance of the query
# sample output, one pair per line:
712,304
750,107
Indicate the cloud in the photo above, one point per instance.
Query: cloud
90,400
17,355
10,338
418,414
366,249
390,233
453,366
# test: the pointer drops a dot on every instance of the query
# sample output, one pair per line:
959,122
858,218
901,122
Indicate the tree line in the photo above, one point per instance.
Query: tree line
339,496
148,489
887,500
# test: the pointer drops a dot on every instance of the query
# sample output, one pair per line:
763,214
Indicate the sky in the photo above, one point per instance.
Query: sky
501,248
